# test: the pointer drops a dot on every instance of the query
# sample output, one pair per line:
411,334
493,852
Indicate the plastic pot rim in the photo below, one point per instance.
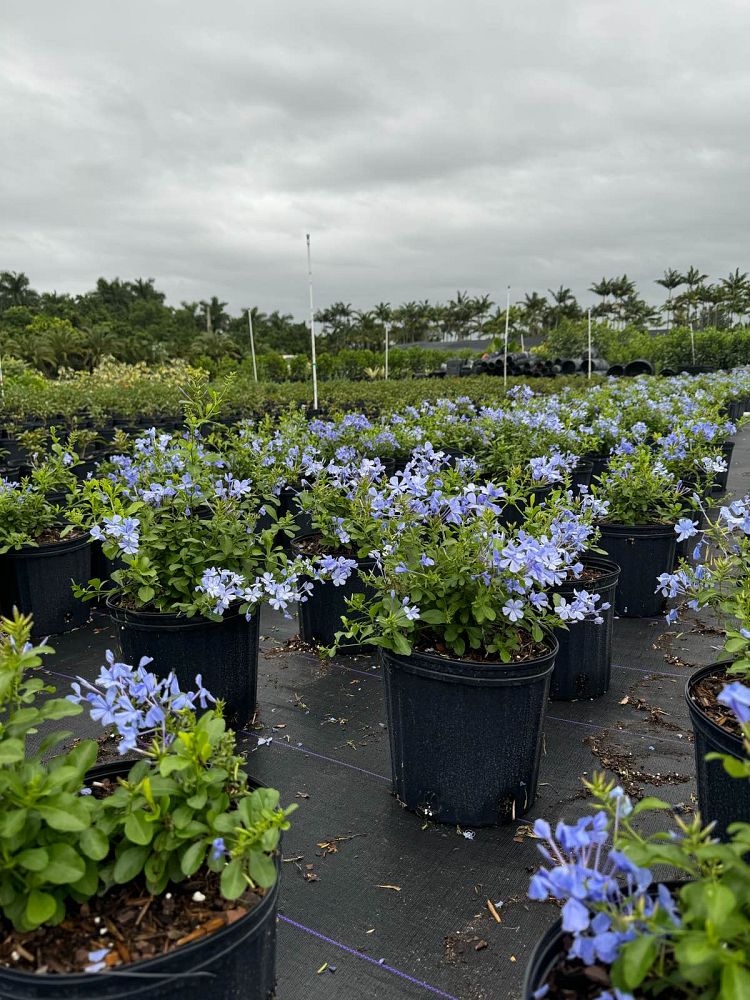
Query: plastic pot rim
175,620
727,741
438,667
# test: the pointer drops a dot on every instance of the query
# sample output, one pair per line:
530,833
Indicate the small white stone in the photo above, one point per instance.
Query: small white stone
167,895
102,932
97,920
198,897
15,956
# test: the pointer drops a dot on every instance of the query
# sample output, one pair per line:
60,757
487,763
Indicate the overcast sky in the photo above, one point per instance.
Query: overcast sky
427,145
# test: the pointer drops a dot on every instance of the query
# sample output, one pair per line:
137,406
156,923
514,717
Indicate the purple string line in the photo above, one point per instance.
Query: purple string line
368,958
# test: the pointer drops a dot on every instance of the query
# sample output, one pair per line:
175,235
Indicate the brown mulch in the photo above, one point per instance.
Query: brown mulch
50,535
129,922
705,693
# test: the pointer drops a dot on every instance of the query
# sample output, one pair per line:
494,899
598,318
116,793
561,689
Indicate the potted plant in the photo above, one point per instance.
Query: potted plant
462,617
584,658
644,502
193,566
41,550
622,934
155,876
346,505
719,580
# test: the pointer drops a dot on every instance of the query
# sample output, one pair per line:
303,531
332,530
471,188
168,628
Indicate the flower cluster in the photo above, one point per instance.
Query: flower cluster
136,702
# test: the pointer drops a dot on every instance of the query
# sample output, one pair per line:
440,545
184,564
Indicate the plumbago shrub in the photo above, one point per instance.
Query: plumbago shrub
452,579
640,489
631,936
348,501
184,529
718,578
184,806
27,518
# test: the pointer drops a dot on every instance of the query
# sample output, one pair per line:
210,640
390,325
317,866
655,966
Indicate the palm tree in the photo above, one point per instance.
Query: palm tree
735,293
534,308
144,289
672,279
15,290
565,307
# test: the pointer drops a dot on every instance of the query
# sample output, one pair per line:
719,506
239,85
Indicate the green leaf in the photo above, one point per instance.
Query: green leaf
94,844
433,617
138,829
650,803
262,870
637,958
60,708
65,866
40,906
192,859
33,860
11,751
61,819
129,864
233,882
146,594
735,982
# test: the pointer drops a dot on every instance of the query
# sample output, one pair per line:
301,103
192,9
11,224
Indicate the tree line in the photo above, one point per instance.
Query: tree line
131,321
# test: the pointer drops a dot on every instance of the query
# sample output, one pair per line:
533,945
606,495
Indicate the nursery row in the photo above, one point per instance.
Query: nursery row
483,551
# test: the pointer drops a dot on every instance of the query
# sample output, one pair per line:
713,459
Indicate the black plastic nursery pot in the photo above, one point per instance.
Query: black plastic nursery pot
38,581
582,474
466,736
320,615
225,653
721,798
237,962
584,659
600,463
721,479
643,552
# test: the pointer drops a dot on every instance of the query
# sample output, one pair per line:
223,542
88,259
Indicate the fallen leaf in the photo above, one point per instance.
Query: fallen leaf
395,888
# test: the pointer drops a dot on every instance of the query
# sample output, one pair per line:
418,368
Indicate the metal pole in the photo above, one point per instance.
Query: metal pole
252,343
387,338
692,341
505,348
312,329
589,375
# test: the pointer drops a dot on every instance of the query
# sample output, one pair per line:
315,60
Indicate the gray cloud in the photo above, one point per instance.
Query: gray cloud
427,146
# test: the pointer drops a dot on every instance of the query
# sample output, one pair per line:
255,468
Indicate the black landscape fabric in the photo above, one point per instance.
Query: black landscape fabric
377,902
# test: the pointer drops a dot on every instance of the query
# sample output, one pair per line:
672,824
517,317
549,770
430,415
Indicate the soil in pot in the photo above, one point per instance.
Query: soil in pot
584,660
225,653
37,580
320,615
168,947
465,735
643,552
721,798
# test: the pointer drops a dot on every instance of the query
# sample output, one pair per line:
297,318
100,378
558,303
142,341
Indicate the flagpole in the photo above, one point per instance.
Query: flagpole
252,343
505,348
589,365
312,329
387,338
